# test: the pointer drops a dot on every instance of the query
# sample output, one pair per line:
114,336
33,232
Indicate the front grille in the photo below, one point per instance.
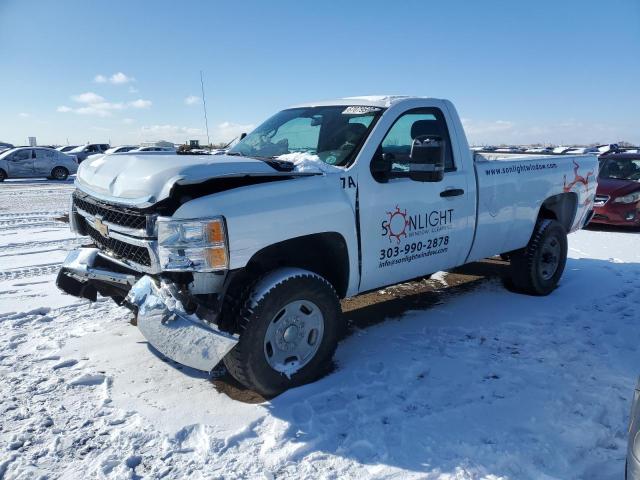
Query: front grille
601,200
118,248
110,213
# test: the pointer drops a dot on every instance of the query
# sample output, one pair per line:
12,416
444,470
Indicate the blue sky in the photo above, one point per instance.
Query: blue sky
536,71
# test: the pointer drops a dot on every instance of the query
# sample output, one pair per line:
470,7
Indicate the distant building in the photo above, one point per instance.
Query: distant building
33,142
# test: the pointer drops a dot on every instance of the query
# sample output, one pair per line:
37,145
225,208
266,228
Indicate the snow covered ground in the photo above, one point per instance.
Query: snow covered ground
484,384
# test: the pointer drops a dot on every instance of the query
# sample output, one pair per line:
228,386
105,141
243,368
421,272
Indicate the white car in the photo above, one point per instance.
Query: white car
28,162
154,150
66,148
244,256
120,149
84,151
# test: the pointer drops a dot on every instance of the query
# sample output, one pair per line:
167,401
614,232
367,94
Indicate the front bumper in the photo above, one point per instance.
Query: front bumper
161,316
617,214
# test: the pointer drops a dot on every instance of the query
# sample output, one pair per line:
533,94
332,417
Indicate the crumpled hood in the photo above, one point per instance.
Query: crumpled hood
141,180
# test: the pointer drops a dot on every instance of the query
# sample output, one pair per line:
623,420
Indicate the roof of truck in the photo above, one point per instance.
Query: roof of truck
382,101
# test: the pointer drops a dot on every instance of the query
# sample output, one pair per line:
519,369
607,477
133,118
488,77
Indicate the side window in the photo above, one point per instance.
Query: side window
397,142
21,155
300,134
40,154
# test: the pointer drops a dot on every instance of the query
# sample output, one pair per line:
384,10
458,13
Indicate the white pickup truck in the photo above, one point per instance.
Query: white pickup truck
243,257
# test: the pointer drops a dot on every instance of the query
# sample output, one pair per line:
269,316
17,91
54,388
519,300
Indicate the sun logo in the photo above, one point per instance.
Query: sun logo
397,224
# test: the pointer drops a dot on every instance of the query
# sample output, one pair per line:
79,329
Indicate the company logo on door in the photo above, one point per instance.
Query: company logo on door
400,224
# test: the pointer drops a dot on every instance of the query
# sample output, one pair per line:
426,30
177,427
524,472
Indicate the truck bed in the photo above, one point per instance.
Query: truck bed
511,189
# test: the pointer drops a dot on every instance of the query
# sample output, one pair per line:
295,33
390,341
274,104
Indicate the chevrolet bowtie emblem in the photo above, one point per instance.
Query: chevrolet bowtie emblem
101,227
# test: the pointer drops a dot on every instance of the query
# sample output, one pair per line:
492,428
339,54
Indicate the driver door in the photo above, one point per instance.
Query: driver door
412,228
20,164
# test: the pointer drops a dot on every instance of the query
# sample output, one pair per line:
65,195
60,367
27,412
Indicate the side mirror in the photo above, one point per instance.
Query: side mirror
427,159
242,135
381,165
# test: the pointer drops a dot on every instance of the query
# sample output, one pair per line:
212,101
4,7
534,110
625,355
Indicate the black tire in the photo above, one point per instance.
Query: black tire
59,173
258,306
537,268
3,175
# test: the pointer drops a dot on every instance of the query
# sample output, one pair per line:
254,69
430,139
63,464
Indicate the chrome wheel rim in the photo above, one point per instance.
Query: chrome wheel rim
550,258
293,336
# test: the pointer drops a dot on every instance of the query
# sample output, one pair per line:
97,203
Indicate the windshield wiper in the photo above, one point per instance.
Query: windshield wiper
273,162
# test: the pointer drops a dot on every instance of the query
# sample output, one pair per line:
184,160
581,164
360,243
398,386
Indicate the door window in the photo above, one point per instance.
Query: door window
21,155
44,154
398,140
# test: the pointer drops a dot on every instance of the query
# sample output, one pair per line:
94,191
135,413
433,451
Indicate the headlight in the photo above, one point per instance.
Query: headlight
73,225
631,198
192,245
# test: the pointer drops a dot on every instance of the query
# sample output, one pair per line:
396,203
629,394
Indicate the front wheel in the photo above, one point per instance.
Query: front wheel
3,175
290,322
537,268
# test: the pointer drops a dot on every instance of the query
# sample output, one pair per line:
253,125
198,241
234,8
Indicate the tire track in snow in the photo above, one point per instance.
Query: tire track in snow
51,223
48,214
32,271
19,221
69,242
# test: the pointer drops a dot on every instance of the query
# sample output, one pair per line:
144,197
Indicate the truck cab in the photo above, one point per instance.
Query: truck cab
243,257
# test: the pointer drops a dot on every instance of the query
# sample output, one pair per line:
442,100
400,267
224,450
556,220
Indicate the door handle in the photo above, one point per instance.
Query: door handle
452,192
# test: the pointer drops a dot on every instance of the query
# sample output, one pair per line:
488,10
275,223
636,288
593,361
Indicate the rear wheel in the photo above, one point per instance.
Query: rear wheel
290,323
3,175
59,173
537,268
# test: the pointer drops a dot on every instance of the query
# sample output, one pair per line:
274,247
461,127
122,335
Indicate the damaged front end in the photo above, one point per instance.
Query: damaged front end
167,326
161,314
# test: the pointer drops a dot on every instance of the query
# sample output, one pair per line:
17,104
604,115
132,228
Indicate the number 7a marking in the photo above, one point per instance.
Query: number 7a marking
348,182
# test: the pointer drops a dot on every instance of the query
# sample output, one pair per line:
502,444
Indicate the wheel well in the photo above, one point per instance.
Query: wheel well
561,207
323,253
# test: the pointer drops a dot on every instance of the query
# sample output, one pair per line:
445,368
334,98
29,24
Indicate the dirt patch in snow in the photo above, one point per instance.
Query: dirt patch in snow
389,303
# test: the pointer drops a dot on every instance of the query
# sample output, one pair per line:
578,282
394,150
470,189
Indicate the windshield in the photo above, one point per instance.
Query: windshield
77,149
621,168
6,153
332,133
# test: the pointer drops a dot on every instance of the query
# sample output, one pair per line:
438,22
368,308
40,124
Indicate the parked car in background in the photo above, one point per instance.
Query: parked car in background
539,150
561,149
66,148
27,162
633,448
120,149
511,149
5,146
84,151
618,195
154,149
582,150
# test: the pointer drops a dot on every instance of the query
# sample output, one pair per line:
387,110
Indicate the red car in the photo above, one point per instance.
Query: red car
618,196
